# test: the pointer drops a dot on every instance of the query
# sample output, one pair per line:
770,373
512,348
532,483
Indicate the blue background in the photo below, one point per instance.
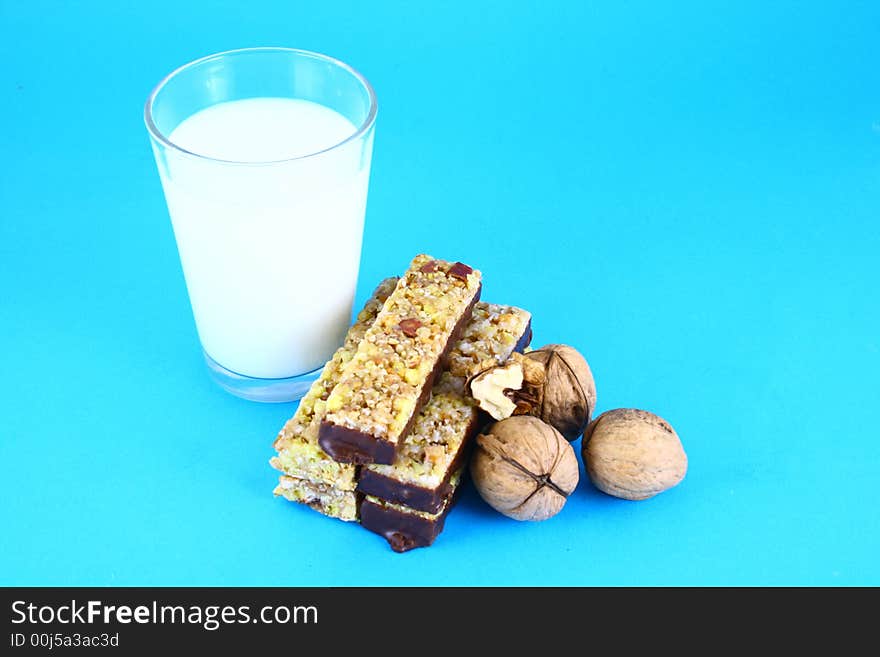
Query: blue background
685,192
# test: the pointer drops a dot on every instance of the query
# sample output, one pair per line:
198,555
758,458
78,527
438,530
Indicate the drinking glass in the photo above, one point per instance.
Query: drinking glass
270,247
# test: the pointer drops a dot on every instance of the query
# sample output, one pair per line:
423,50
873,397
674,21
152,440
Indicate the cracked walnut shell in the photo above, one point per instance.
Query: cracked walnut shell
523,468
633,454
553,383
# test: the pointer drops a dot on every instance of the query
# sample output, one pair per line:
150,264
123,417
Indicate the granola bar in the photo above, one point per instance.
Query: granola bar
402,527
389,379
420,476
299,454
324,498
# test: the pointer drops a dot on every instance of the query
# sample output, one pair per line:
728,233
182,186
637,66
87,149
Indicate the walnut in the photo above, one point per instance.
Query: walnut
524,468
633,454
553,383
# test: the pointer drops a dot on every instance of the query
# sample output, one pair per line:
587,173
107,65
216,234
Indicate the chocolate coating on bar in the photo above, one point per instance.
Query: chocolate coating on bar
403,531
525,340
352,446
348,445
430,500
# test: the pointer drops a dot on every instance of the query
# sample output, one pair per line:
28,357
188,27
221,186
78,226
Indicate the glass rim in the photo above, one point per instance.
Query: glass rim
159,136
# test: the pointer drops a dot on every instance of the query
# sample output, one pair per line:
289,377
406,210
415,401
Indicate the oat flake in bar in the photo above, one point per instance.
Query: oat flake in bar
420,477
299,454
390,378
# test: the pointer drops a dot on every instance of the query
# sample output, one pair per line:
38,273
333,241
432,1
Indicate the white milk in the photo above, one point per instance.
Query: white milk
270,250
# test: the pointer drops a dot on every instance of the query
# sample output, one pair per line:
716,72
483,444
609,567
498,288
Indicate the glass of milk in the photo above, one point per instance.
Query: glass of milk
264,157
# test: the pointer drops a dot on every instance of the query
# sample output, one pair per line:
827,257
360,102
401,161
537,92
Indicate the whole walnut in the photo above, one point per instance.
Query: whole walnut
553,383
633,454
523,468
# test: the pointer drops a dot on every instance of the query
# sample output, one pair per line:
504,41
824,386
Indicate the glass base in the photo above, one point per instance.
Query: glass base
261,390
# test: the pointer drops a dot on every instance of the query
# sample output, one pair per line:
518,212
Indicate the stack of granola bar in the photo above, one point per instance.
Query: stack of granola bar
382,436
